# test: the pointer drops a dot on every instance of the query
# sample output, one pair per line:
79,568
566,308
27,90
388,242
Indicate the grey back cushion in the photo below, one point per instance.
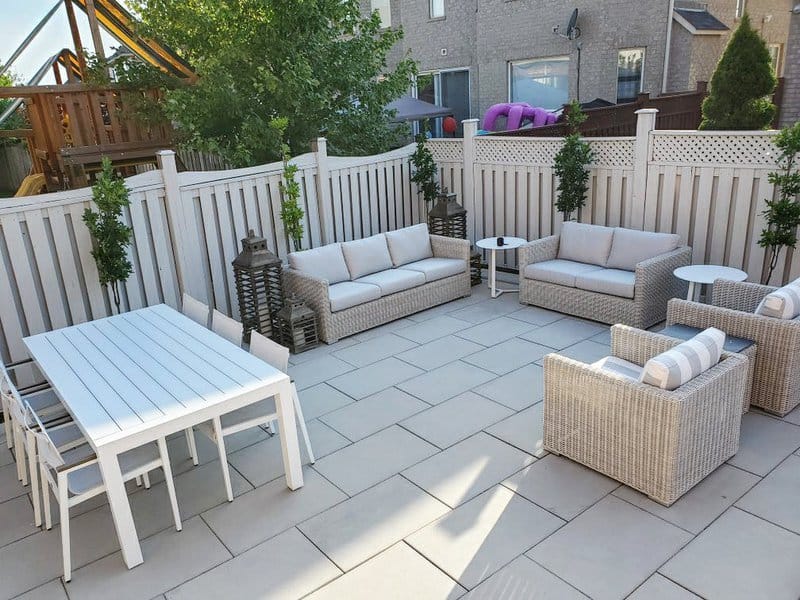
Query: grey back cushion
585,243
783,303
367,256
409,244
671,369
325,262
630,247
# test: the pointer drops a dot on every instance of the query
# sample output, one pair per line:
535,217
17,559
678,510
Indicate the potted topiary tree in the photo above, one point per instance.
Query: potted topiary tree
110,236
425,170
783,214
291,213
571,165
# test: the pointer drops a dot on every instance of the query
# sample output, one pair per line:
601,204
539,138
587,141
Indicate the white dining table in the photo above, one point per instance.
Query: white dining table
134,378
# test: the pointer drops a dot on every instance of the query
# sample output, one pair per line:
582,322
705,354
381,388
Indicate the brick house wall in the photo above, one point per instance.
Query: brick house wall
790,111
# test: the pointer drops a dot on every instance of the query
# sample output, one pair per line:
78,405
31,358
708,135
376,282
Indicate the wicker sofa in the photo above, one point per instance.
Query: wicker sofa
357,285
659,442
776,372
611,275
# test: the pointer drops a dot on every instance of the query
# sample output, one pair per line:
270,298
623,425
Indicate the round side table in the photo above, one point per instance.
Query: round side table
697,275
509,243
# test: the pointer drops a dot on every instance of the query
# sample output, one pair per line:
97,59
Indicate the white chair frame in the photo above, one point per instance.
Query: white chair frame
225,327
195,310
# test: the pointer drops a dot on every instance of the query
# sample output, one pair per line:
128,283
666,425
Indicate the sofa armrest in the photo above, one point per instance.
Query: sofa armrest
448,247
638,346
313,290
658,270
739,295
539,250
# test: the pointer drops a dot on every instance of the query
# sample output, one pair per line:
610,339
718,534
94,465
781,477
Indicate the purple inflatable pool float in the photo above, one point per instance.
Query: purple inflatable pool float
516,113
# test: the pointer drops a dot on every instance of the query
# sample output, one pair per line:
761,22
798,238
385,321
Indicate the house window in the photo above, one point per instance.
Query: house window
775,56
384,10
446,88
542,82
740,8
630,64
436,9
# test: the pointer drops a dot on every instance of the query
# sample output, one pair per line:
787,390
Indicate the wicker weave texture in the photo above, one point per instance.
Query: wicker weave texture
658,442
655,285
776,372
336,325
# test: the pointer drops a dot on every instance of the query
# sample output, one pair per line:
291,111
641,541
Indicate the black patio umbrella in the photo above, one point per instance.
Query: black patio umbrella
414,109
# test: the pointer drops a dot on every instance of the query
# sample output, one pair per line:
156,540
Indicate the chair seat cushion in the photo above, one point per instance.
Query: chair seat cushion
558,271
262,412
366,256
783,303
437,268
619,366
394,280
671,369
89,478
325,262
630,247
608,281
349,293
66,436
409,244
585,243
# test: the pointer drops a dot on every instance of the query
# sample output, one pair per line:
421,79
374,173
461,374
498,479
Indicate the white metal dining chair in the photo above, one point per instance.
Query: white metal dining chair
75,477
230,329
255,415
195,310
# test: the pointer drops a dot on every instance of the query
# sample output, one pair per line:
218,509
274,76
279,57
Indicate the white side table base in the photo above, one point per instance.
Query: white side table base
493,277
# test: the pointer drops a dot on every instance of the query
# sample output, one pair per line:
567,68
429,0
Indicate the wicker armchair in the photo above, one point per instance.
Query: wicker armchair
776,376
655,285
659,442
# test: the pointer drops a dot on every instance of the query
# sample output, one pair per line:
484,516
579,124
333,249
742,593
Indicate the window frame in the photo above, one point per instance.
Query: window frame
741,8
510,69
641,76
388,5
436,74
776,65
431,4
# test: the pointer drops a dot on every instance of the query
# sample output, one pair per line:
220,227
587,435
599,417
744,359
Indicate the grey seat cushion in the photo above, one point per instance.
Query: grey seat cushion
619,366
394,280
608,281
325,262
366,256
349,293
630,247
585,243
89,478
558,271
437,268
409,244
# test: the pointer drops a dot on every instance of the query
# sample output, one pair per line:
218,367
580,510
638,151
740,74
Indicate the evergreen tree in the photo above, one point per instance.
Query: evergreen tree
742,84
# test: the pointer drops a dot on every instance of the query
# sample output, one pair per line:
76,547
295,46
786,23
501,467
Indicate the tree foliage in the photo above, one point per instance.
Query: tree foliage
15,121
783,214
572,165
318,63
741,86
110,236
425,171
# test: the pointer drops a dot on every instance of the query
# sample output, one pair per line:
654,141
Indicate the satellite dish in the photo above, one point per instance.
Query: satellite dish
572,31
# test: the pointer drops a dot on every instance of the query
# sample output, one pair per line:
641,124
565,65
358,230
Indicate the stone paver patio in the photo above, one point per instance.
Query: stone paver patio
430,482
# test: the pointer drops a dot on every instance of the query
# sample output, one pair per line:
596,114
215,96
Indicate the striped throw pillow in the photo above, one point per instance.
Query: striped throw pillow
783,303
671,369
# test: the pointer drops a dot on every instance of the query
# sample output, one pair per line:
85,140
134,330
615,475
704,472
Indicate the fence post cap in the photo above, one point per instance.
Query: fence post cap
470,120
646,111
165,152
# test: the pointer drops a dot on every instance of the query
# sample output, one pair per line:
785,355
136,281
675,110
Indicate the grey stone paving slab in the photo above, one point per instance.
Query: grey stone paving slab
263,462
523,430
564,332
439,352
486,310
776,497
171,557
445,382
764,443
321,399
373,413
587,351
604,337
432,329
495,331
561,486
53,590
322,350
206,449
517,389
739,557
398,573
508,356
659,587
468,468
287,566
609,550
450,307
523,579
373,459
374,349
6,458
793,417
536,315
10,486
372,379
480,537
456,419
270,509
372,521
317,371
392,326
16,515
700,505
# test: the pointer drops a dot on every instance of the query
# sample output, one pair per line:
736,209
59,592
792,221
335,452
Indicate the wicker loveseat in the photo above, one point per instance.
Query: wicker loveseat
776,372
659,442
353,286
611,275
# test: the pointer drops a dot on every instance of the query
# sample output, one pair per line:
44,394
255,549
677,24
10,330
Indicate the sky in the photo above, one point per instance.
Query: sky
19,17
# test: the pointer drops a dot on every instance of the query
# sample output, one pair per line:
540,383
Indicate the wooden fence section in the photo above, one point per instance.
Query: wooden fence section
15,164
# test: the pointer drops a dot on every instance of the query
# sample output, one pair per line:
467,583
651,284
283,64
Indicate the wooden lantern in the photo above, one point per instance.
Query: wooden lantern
257,273
298,326
448,217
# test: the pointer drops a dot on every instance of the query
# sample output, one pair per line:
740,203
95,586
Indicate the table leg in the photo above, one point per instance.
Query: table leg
690,295
120,508
290,445
493,273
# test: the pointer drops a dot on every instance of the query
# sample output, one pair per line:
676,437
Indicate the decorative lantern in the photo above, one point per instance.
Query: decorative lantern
257,273
448,217
297,324
475,267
